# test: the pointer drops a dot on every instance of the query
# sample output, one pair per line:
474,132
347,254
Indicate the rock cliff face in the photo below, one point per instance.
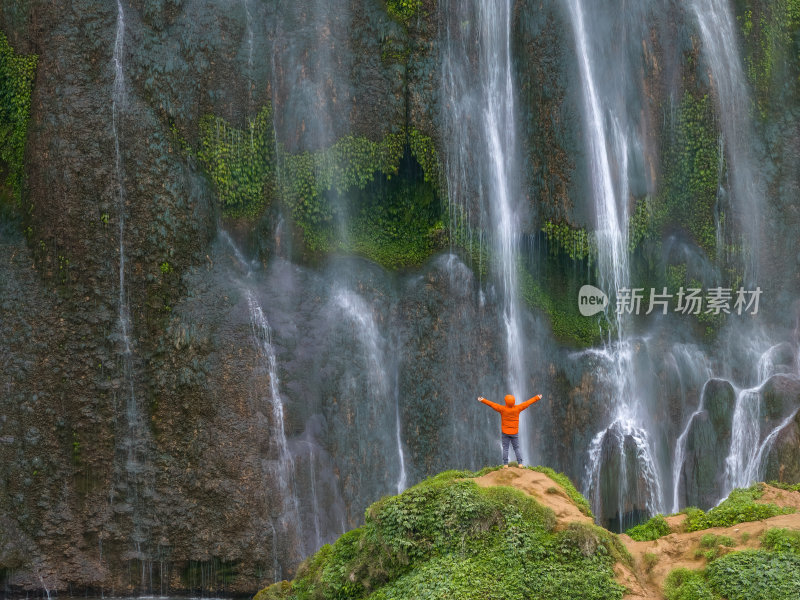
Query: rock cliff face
299,346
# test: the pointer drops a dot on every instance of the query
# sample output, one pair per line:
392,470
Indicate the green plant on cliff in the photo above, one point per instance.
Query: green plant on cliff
740,506
691,159
653,529
745,575
769,30
575,242
310,180
449,538
403,10
782,540
240,162
17,73
400,227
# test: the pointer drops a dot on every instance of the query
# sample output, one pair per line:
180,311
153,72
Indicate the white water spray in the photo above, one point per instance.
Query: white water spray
498,114
360,314
606,136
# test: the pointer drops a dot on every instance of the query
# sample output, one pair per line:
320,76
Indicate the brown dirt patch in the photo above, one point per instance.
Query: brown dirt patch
680,549
546,491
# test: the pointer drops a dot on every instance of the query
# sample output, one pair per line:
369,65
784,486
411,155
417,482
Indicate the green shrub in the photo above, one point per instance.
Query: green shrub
281,590
738,507
789,487
781,540
653,529
685,584
755,575
709,540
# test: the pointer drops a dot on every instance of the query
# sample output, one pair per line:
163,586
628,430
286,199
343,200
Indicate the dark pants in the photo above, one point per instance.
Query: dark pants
514,439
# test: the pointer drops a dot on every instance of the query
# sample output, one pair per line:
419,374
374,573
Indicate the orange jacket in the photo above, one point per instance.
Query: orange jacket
509,414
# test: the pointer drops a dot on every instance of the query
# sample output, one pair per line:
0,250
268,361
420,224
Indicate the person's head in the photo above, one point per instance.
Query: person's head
510,400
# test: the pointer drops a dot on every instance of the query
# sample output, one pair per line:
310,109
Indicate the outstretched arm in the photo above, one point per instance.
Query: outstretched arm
527,403
489,403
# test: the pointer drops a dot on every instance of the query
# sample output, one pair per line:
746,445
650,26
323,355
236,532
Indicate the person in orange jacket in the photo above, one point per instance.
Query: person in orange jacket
509,423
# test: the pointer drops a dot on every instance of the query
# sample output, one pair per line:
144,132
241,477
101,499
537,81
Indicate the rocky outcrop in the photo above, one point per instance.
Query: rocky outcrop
707,444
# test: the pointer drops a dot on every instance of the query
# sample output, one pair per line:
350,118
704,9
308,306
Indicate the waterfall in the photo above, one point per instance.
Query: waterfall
695,362
609,145
743,465
719,34
250,42
283,466
138,476
484,111
118,100
383,391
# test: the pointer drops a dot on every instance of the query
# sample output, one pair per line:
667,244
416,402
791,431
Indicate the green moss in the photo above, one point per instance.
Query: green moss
240,162
448,538
653,529
691,173
557,295
17,73
738,507
403,10
575,242
398,228
424,151
378,199
769,30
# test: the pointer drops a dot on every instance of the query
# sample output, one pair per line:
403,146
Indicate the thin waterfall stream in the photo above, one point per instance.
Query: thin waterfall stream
625,435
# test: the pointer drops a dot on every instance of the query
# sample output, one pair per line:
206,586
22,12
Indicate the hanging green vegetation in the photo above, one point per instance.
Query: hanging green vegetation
403,10
687,198
399,227
575,242
769,30
424,151
309,180
16,84
240,162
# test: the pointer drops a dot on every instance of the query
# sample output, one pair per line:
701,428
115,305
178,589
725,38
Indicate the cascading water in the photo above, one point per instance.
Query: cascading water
745,461
281,469
250,44
694,362
138,477
488,106
719,35
118,100
609,146
383,390
283,465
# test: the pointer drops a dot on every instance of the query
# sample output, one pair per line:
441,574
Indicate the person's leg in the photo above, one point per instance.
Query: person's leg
505,440
515,443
